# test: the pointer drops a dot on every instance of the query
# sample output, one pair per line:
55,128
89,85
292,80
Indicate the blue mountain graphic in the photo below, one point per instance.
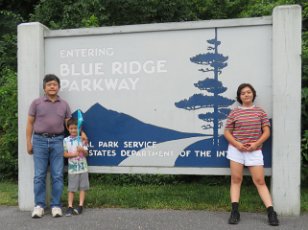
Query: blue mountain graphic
104,125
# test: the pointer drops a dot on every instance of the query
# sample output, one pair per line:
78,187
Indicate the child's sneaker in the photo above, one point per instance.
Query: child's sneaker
78,210
69,211
272,218
234,217
37,212
56,212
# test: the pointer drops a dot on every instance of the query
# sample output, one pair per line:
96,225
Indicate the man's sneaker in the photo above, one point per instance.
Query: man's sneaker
56,212
37,212
272,218
69,211
78,210
234,217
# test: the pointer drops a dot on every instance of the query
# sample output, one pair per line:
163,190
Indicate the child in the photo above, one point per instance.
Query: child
78,178
246,129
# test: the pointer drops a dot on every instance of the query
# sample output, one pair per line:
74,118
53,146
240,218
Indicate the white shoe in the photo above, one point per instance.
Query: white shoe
38,212
56,212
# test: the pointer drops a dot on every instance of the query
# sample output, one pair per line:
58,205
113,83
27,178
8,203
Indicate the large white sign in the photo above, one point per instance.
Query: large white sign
160,98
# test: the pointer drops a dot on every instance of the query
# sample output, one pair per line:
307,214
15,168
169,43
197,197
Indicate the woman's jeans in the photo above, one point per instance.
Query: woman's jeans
46,150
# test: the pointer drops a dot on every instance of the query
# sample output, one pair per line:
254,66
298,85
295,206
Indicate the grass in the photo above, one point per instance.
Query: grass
304,199
180,195
8,193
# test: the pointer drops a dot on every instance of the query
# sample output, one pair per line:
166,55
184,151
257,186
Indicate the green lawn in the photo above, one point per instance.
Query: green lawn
188,195
8,193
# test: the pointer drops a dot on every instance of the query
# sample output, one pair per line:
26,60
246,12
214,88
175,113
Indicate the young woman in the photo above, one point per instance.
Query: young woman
246,129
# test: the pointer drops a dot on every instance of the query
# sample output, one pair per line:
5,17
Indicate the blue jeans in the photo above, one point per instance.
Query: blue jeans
48,150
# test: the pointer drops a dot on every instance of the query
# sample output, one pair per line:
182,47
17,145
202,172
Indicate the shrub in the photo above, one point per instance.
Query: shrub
8,124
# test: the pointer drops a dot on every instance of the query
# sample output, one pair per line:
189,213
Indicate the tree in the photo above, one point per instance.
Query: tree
215,62
8,41
22,8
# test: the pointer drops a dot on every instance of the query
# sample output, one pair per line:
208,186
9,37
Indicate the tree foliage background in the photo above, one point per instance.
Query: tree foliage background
63,14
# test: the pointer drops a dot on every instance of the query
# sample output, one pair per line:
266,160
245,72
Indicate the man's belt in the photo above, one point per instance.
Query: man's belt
49,135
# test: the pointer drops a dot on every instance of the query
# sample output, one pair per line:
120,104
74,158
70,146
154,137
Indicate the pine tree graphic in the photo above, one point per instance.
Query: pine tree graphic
215,104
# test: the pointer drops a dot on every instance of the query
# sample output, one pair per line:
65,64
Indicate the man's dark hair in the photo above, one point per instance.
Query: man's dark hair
242,86
50,77
72,121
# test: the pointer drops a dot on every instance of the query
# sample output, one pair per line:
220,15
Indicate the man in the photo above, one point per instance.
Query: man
45,132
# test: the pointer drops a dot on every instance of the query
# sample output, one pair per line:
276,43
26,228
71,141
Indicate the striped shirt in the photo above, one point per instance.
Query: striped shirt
246,124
